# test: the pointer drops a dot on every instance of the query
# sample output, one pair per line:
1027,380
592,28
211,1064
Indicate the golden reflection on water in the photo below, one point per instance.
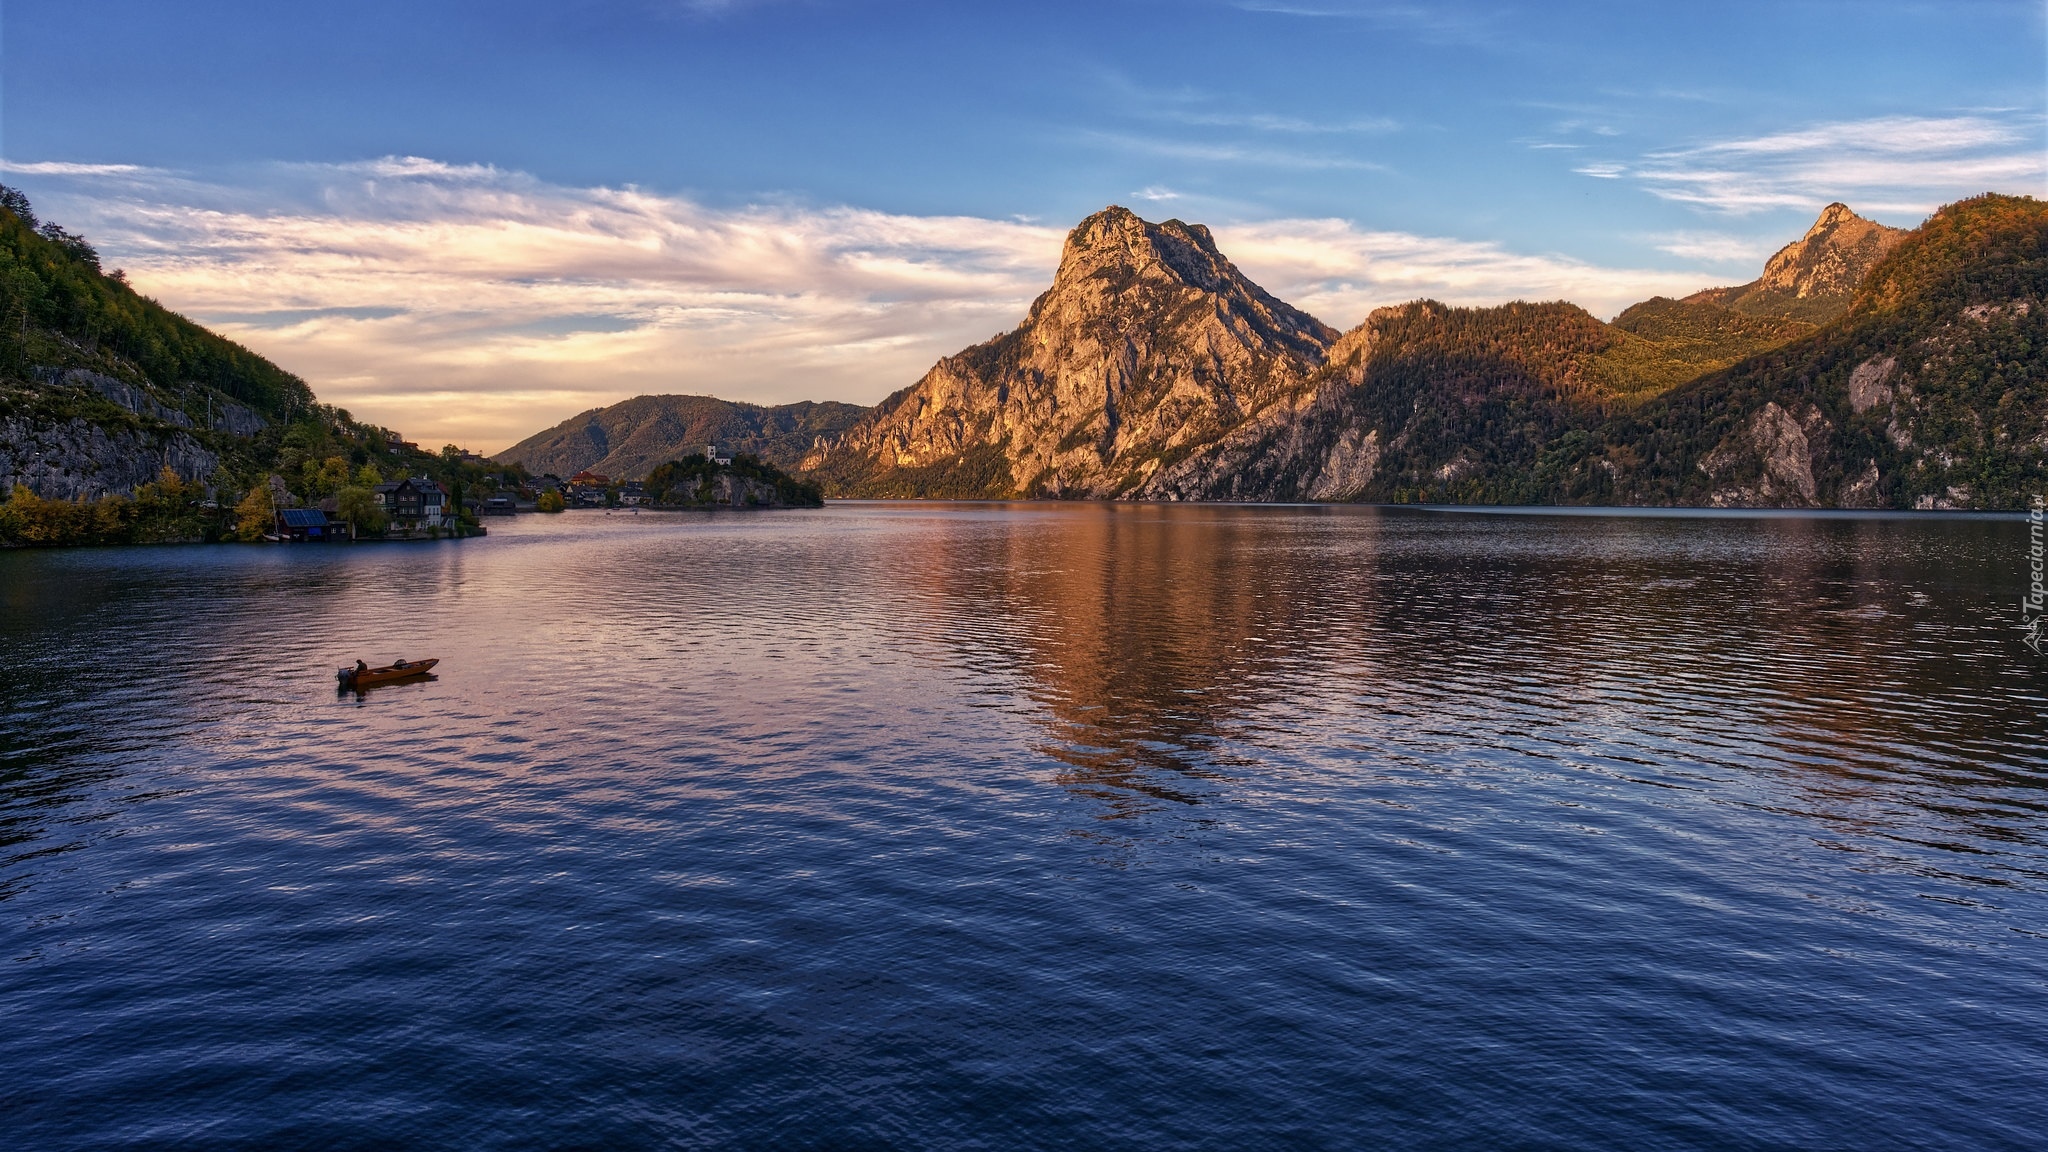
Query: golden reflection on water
1169,649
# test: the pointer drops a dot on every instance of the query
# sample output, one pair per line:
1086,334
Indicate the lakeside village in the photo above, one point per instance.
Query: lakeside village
435,497
423,508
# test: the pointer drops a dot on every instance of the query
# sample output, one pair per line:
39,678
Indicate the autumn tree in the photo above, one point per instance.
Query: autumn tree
256,514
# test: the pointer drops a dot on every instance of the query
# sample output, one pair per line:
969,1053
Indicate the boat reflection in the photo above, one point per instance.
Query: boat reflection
361,691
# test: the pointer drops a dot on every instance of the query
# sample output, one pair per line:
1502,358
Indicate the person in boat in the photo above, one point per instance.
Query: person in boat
361,667
398,663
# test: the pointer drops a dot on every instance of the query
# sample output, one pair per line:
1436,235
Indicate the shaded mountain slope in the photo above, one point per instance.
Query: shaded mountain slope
1425,395
633,437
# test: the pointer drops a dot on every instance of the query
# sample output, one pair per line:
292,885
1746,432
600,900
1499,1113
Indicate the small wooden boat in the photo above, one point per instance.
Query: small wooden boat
399,670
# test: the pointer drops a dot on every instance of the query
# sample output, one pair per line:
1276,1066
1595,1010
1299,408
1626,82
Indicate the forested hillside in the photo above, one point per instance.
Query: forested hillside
121,420
632,437
1931,392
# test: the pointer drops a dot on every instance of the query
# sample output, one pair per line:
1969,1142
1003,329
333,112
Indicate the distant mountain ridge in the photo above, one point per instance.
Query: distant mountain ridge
632,438
1867,367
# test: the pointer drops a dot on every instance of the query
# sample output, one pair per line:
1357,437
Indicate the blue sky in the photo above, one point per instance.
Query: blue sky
473,219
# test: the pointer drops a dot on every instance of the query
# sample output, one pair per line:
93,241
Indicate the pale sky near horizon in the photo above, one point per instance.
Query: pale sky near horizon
470,221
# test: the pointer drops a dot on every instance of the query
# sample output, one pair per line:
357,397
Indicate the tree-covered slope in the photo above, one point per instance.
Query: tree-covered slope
633,437
1925,390
121,421
59,310
1932,391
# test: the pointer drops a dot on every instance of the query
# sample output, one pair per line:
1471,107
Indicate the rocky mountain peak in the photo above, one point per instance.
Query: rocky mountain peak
1813,278
1150,341
1832,216
1116,239
1116,265
1832,258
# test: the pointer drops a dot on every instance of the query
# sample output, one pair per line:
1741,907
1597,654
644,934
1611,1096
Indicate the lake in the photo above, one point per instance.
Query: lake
1032,826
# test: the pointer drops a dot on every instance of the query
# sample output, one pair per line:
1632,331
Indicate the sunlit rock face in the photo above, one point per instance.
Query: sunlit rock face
1150,343
1814,277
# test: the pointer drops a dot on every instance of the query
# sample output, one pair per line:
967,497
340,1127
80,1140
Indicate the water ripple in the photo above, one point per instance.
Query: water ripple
985,826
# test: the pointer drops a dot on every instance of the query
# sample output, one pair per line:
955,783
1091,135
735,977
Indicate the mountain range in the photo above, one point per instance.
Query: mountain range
1867,367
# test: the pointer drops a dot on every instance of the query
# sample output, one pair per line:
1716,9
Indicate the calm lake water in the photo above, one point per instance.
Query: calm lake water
1032,826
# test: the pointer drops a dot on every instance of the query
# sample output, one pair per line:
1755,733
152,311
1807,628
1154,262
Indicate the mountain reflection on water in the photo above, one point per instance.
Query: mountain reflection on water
981,825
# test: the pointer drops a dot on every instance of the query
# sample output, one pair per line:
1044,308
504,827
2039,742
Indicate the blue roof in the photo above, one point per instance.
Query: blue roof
304,518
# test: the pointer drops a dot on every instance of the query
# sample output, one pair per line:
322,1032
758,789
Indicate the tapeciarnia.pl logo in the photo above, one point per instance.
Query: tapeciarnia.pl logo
2033,604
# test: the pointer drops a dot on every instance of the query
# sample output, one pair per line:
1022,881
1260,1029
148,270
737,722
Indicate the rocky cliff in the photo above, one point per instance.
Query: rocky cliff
1815,277
1149,346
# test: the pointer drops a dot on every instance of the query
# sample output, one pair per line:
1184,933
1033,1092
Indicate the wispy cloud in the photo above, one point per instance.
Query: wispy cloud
1340,272
1435,23
478,305
1717,247
1897,164
1289,125
64,168
1226,152
481,305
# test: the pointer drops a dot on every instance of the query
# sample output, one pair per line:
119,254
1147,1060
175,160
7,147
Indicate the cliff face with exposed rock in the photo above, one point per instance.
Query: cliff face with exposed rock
1149,346
1931,392
1815,277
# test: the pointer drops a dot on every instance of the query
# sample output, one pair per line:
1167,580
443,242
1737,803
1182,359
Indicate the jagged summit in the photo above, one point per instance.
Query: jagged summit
1114,253
1149,342
1832,258
1814,277
1116,238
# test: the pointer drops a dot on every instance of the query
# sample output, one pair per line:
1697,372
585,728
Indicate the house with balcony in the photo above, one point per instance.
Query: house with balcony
415,502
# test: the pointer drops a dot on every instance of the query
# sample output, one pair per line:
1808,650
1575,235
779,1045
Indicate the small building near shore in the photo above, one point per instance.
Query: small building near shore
307,526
